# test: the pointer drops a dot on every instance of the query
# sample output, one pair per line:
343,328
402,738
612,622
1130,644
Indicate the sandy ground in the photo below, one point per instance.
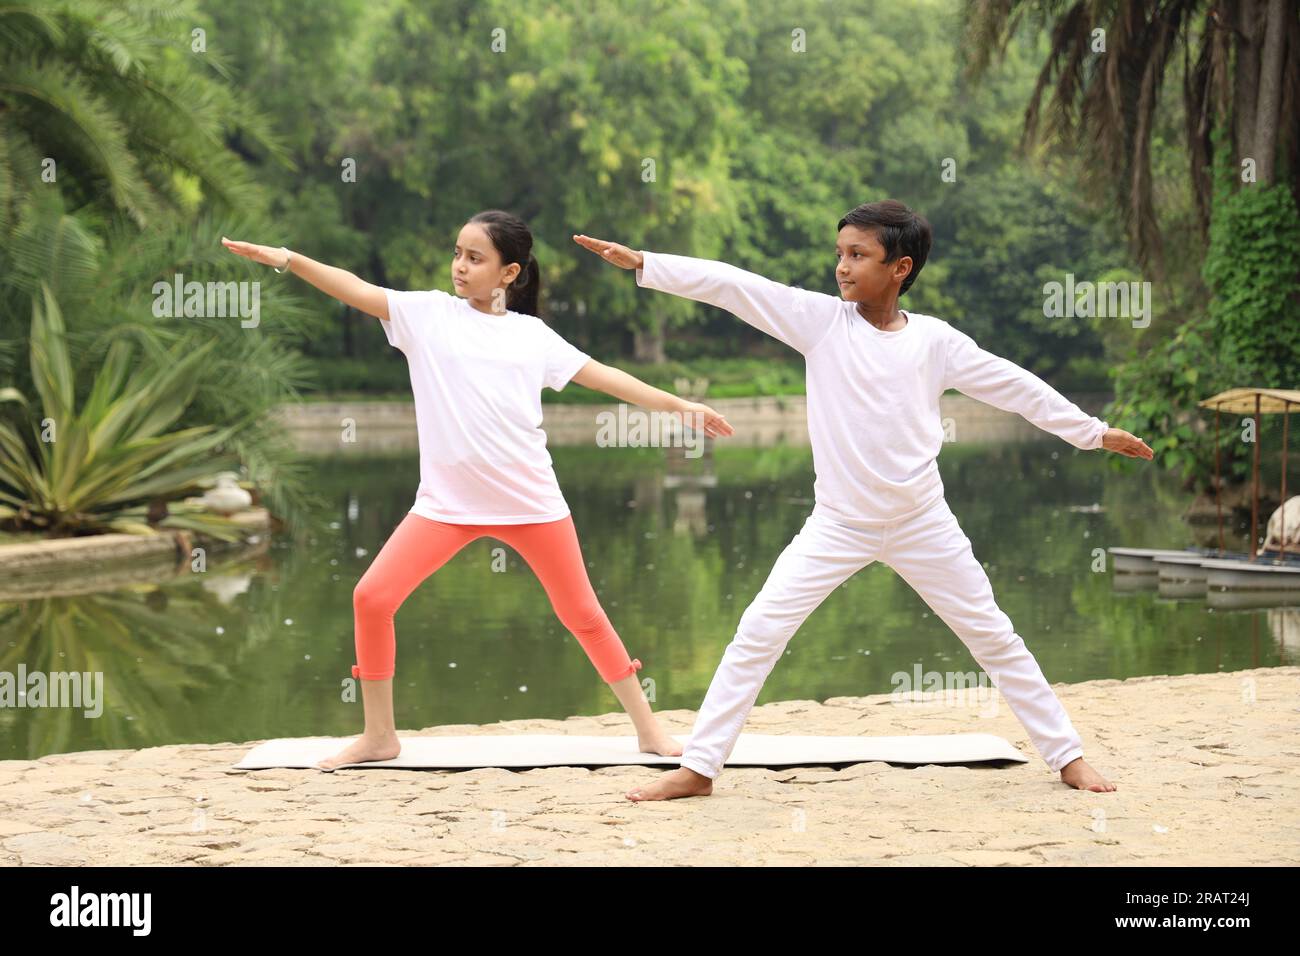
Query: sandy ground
1208,770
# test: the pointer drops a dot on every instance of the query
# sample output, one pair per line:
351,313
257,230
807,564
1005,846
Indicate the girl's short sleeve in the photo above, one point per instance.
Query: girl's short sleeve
407,310
563,360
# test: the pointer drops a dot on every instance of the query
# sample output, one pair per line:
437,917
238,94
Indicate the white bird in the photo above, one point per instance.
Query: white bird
227,497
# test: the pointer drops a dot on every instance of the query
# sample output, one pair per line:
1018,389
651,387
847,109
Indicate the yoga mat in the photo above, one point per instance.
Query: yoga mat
514,751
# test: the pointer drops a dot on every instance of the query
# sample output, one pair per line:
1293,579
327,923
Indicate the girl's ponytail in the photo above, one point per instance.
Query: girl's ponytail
521,296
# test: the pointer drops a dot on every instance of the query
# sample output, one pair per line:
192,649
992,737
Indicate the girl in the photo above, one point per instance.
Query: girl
478,361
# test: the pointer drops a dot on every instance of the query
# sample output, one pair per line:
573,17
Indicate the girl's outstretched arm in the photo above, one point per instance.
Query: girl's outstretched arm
339,283
620,384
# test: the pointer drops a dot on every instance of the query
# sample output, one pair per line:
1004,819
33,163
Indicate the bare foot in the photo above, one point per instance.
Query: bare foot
363,749
659,743
1079,775
682,782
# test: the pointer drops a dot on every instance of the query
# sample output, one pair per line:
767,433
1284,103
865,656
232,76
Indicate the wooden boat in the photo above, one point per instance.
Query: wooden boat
1182,572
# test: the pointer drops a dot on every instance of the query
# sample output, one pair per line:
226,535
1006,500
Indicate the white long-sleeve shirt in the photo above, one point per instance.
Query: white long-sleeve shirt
873,396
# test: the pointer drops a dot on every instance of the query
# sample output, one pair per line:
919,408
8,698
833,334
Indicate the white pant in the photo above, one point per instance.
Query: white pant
933,555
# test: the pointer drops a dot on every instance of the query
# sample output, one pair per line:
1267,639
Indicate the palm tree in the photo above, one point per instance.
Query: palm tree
117,108
1107,62
115,173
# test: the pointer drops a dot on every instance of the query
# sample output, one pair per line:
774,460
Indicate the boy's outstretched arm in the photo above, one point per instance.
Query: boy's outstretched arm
797,317
616,382
1005,385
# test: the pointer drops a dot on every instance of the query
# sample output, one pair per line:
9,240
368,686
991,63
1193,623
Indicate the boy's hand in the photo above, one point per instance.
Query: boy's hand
694,414
266,255
612,252
1118,440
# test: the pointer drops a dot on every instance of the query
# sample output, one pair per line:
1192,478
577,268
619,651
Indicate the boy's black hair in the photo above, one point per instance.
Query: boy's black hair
901,232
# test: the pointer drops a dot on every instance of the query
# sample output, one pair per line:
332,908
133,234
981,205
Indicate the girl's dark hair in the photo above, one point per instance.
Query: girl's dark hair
901,231
514,241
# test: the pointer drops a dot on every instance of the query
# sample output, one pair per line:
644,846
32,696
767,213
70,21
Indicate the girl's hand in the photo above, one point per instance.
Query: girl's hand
696,414
1118,440
612,252
266,255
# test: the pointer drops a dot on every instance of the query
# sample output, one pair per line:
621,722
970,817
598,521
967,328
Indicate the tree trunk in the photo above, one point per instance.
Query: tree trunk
1249,26
1270,91
648,344
345,327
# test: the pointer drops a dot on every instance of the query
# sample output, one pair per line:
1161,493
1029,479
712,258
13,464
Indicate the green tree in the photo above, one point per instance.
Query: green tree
114,175
1233,221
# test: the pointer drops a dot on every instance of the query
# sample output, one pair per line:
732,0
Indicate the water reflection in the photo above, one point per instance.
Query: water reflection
259,645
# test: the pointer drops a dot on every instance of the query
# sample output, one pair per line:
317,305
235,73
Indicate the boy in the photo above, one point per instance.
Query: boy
874,377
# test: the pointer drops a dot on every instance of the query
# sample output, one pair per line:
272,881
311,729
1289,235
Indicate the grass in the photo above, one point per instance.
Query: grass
373,380
21,537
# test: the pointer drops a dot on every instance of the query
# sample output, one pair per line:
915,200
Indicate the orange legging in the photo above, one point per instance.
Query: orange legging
420,545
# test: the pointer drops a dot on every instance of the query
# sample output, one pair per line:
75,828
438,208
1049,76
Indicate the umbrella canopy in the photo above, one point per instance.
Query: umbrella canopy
1243,400
1252,401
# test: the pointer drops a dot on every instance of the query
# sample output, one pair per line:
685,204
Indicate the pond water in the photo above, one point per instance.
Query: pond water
676,548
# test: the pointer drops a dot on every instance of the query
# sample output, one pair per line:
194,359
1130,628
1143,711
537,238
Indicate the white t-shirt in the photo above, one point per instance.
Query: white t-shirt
477,380
873,396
